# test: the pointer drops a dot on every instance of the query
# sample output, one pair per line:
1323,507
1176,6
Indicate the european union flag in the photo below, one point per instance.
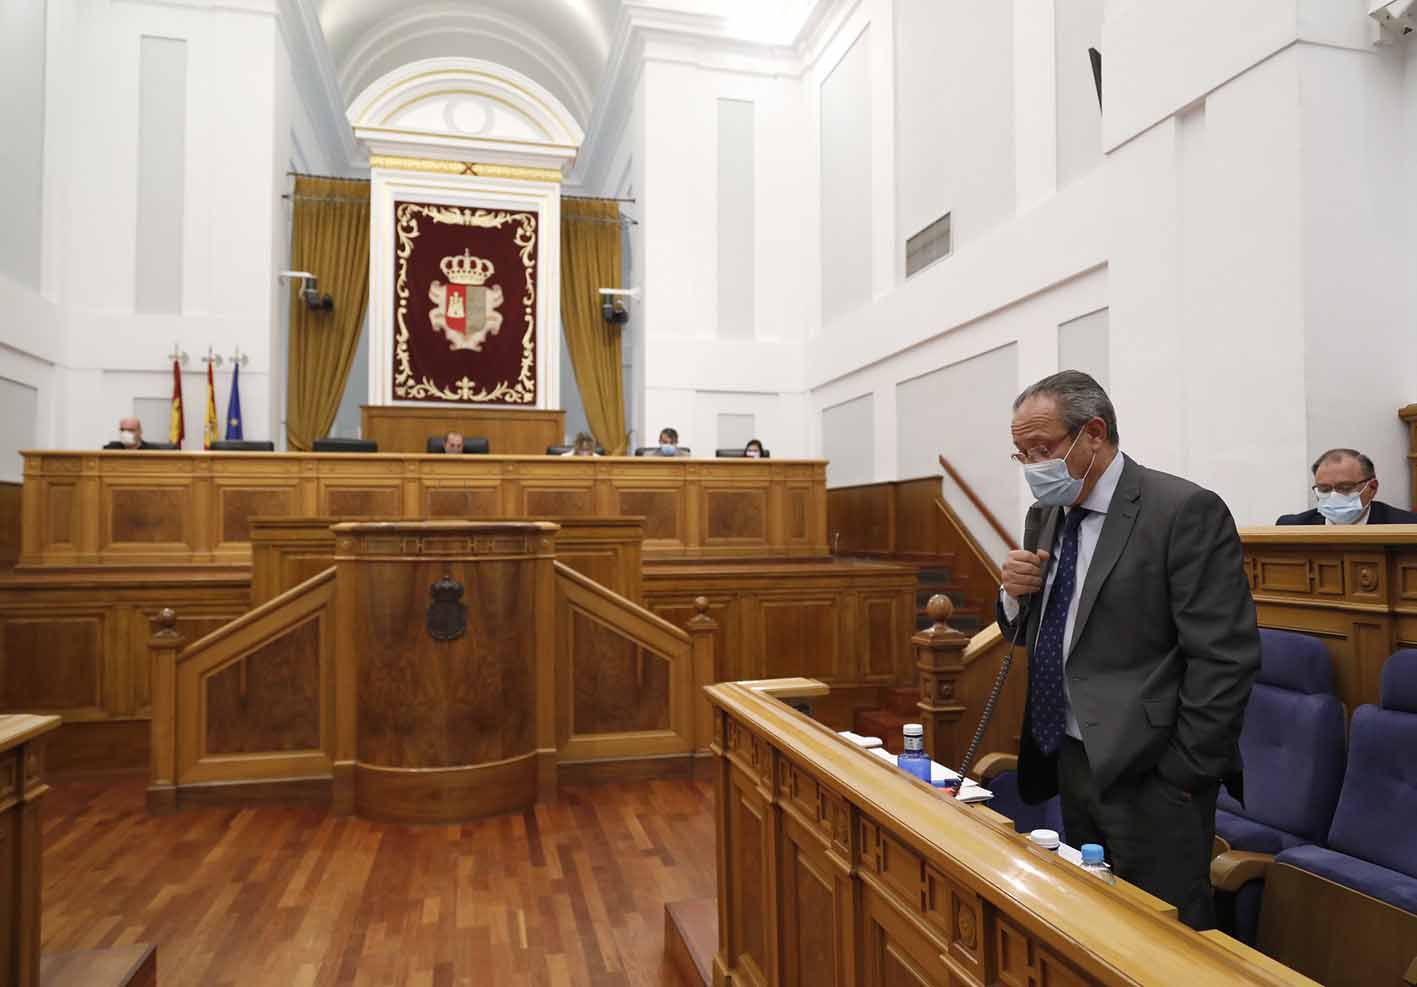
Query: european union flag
233,407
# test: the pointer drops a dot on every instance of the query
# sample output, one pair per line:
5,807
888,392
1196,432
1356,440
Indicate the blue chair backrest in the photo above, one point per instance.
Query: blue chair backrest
1377,813
1292,739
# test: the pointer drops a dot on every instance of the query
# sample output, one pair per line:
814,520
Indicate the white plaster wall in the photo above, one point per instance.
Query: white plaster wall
1360,330
22,36
691,372
954,95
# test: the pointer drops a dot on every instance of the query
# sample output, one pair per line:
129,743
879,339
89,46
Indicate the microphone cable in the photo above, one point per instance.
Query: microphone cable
1020,622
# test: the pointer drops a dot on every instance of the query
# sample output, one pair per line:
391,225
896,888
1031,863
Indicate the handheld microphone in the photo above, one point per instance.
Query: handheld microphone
1031,532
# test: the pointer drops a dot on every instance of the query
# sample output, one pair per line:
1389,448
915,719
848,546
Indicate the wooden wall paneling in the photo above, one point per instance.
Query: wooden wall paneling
661,507
23,782
510,431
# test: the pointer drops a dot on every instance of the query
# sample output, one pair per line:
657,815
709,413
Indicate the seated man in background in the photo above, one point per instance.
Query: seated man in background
452,444
1346,485
583,446
669,443
130,435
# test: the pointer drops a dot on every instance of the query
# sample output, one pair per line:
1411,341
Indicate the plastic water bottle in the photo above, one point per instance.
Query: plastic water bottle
913,760
1093,863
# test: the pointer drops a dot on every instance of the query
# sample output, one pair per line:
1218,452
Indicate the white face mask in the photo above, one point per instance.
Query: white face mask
1052,483
128,437
1342,508
752,453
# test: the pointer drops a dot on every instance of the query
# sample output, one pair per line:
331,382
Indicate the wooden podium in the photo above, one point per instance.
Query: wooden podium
444,703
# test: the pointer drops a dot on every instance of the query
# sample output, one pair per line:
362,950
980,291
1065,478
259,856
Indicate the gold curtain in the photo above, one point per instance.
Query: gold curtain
330,239
590,260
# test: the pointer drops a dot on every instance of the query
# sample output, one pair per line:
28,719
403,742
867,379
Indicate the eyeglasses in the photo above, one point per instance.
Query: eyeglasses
1040,454
1343,489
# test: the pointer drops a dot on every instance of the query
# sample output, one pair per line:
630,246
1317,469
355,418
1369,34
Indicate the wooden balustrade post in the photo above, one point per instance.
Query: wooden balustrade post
164,647
939,657
701,628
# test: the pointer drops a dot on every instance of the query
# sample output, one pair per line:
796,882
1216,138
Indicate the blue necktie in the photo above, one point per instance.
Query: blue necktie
1047,703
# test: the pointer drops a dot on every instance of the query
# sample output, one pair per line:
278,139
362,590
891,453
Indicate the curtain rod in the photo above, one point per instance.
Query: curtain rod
338,178
596,198
292,196
622,221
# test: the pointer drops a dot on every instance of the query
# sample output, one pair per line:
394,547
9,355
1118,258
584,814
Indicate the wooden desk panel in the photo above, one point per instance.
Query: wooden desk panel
1354,588
509,431
175,508
835,868
287,551
22,785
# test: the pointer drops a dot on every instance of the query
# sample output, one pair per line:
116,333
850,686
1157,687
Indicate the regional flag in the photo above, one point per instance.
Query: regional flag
209,433
233,405
177,431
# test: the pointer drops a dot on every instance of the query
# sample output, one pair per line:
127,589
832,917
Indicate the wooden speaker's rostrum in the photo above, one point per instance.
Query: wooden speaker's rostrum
444,681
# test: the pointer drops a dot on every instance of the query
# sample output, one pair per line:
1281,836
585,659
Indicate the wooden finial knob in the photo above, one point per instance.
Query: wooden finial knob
166,621
701,605
939,609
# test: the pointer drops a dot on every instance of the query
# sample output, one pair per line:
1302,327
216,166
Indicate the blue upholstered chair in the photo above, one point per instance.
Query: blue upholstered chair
999,774
1372,844
1292,743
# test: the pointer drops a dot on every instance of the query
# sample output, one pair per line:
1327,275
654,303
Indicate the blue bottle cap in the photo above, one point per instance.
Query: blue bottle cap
1092,853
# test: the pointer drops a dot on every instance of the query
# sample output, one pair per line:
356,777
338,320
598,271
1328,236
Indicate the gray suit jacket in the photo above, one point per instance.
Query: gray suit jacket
1165,644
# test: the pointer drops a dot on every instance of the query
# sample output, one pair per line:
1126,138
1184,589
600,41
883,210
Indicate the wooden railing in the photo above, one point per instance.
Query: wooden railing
628,682
252,701
834,868
979,504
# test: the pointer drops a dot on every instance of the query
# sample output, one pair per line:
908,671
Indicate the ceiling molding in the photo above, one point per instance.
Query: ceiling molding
313,71
389,34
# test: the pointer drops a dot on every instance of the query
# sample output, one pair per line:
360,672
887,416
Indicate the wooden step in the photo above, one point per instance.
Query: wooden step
121,966
902,701
691,939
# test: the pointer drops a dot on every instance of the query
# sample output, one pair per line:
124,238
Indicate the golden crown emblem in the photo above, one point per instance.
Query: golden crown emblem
466,269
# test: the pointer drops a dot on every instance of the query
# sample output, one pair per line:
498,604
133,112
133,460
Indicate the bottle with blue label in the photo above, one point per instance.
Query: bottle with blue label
1094,864
913,760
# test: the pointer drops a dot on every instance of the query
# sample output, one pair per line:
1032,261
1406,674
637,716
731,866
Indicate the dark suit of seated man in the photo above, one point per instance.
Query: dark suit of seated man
130,436
1346,486
1131,594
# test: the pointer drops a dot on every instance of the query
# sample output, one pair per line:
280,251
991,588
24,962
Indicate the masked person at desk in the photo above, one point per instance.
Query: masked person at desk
1346,487
1131,595
130,436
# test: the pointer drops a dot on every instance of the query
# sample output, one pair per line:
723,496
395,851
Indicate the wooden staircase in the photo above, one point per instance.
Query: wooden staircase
886,722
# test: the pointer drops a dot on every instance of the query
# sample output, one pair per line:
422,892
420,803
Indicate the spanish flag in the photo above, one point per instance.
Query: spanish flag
177,431
209,434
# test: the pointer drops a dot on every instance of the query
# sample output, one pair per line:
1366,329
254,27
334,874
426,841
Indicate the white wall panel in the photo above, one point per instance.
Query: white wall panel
162,159
1082,345
849,441
846,182
737,259
22,65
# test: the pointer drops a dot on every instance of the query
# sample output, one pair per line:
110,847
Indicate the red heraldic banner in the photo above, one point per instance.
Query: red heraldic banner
464,304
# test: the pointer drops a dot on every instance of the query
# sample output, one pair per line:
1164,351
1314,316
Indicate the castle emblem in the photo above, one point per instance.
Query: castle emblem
465,309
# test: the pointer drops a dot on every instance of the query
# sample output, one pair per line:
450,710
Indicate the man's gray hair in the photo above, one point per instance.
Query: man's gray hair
1334,455
1079,399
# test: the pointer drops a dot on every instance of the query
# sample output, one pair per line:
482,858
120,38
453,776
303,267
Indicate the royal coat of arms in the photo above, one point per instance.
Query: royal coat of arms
465,309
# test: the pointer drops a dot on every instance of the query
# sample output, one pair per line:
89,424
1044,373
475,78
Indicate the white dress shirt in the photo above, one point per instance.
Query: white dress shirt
1089,532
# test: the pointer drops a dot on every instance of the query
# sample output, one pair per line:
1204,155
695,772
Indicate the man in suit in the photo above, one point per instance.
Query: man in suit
1346,486
1142,644
130,436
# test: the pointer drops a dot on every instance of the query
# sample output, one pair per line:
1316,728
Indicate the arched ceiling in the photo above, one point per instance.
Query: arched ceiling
562,44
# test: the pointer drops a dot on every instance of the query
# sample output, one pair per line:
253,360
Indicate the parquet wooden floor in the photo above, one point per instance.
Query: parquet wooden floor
571,893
